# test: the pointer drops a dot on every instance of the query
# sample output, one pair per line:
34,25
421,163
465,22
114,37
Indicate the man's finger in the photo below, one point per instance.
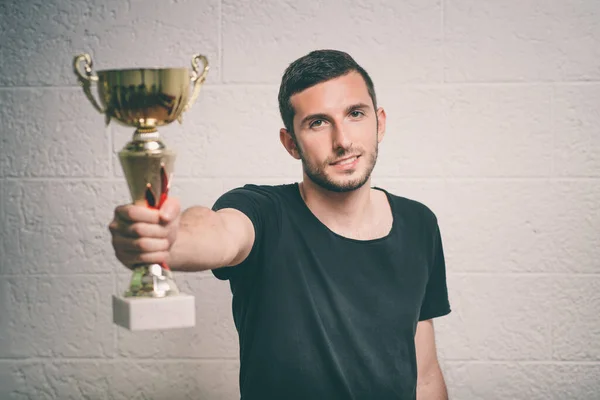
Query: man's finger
137,230
141,229
141,245
134,213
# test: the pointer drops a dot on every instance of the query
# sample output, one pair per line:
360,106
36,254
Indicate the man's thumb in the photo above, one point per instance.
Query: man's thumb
169,210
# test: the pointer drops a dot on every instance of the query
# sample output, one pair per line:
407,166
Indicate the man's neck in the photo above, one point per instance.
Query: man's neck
339,211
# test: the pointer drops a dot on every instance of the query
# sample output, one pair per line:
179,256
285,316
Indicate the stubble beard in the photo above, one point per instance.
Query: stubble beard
318,175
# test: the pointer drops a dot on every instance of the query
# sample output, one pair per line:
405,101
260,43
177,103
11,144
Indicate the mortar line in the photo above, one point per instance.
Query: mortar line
111,360
205,274
65,179
170,360
52,275
77,87
383,178
523,362
527,274
553,170
443,32
114,179
220,42
492,178
111,170
235,359
208,85
114,327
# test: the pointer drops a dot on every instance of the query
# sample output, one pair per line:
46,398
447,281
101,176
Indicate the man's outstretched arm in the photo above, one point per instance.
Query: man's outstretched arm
430,381
197,240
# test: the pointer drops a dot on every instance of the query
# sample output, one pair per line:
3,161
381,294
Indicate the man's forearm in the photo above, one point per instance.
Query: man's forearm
201,242
432,386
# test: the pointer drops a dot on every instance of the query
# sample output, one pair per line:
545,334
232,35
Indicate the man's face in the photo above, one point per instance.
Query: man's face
337,132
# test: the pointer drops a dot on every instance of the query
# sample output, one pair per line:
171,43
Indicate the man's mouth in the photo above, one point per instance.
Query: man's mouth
346,160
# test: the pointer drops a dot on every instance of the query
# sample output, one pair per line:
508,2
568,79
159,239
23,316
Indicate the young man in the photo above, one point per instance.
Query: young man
334,283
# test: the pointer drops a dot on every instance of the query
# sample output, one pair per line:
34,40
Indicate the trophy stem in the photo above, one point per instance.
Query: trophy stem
145,135
152,280
148,165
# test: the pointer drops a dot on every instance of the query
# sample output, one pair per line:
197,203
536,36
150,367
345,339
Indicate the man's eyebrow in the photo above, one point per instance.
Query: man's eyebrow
348,109
356,106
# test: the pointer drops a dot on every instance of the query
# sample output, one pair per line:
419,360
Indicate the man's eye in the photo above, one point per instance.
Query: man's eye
316,123
356,114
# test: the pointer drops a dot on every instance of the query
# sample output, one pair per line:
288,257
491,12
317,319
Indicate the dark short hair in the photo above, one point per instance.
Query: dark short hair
316,67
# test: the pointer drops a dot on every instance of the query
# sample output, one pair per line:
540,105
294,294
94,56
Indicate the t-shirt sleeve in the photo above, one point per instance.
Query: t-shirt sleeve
256,204
436,303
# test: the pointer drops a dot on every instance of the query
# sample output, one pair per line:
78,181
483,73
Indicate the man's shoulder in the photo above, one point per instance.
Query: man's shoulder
267,191
258,193
267,188
409,207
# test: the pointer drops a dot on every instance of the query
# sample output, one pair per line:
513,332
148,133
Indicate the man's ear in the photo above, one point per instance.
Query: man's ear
289,143
380,124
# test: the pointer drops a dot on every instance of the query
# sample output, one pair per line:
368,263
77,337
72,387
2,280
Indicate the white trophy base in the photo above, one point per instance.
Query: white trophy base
148,313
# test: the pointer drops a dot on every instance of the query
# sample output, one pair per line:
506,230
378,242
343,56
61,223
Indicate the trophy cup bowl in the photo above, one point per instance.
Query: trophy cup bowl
144,99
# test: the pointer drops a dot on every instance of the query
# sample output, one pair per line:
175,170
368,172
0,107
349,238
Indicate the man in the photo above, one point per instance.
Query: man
334,283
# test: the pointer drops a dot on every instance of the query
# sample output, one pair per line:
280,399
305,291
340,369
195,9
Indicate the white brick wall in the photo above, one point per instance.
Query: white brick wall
494,116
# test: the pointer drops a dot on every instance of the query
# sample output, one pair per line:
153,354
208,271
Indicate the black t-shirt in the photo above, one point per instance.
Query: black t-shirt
321,316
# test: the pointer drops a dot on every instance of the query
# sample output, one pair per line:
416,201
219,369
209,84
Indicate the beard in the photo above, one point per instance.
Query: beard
317,174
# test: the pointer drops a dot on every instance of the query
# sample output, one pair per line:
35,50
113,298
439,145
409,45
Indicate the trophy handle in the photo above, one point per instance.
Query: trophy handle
197,79
86,79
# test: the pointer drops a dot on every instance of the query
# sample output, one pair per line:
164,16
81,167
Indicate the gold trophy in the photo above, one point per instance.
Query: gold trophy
146,98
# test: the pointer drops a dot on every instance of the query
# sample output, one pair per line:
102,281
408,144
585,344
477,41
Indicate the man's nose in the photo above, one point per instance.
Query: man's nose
340,138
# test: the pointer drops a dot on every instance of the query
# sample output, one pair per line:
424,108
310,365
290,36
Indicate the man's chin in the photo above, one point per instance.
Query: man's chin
339,185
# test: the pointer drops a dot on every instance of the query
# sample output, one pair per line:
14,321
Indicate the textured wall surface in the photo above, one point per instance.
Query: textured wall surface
494,122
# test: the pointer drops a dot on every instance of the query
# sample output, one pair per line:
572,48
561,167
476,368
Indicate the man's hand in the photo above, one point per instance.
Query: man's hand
144,235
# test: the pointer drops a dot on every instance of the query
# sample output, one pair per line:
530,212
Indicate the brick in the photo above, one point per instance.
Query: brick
576,133
497,318
119,380
117,35
568,380
522,381
415,125
197,192
489,381
491,225
497,131
4,233
56,316
575,322
176,379
213,336
24,379
574,226
51,133
231,132
396,41
57,227
56,380
521,41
